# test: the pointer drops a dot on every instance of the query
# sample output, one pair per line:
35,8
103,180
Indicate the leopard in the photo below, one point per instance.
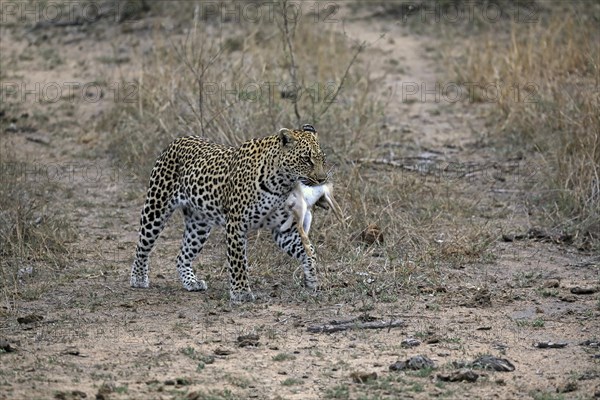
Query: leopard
242,189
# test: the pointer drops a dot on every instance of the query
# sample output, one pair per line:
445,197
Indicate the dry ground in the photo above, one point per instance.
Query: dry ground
73,328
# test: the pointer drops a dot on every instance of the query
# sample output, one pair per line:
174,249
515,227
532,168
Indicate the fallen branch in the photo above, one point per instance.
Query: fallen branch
337,326
382,161
540,235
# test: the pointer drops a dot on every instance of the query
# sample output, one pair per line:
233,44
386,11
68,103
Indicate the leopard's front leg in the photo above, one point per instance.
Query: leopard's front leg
239,287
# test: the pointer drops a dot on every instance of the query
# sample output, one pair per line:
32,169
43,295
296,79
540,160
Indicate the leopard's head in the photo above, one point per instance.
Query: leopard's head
303,156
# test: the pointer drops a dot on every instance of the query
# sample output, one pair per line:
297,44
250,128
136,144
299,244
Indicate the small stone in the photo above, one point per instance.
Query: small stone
420,362
363,377
248,340
372,234
583,290
463,375
29,319
398,366
72,351
589,375
568,298
183,381
24,272
507,237
482,298
208,359
500,346
414,363
6,347
550,345
493,363
551,283
223,352
567,387
410,342
105,390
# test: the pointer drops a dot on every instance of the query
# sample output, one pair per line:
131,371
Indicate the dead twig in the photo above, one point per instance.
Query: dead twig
293,69
108,287
197,64
337,326
391,163
359,50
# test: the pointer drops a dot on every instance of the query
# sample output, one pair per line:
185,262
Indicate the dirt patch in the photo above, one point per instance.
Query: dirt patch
455,289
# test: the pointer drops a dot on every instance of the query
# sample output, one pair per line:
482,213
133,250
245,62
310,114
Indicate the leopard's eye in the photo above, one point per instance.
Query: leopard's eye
307,160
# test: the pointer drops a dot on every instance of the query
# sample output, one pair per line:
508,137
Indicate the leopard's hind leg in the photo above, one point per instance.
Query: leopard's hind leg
195,235
158,208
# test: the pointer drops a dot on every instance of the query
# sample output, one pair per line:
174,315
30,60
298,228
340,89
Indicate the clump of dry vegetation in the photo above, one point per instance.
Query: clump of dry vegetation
33,239
545,74
230,82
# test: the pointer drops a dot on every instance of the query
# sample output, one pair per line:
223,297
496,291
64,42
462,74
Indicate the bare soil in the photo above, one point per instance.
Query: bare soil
99,338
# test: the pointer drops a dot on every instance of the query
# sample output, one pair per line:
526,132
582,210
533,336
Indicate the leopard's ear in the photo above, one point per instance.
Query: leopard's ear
287,137
310,128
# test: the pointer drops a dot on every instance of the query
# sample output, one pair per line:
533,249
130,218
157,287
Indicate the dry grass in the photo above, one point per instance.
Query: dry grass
548,105
233,84
33,238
